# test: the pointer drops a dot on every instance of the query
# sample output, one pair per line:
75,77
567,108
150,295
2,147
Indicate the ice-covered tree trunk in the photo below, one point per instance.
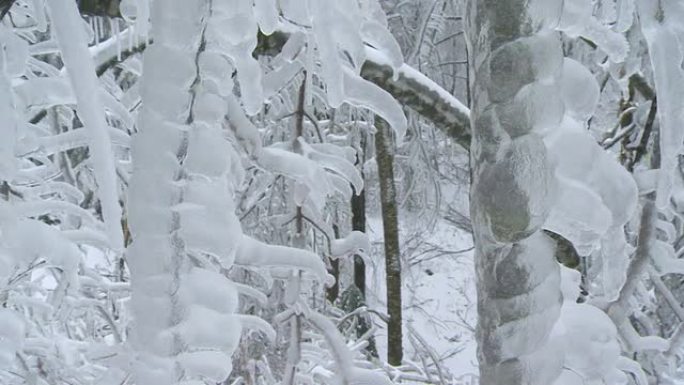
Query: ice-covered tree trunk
390,224
516,58
180,207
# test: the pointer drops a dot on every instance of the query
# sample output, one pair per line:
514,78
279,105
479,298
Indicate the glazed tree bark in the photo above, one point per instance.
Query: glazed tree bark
515,56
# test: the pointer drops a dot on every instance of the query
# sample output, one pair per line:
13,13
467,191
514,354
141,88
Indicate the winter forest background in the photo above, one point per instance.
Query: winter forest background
344,192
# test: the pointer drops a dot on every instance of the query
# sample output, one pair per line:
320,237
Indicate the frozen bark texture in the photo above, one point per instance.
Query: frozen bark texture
517,61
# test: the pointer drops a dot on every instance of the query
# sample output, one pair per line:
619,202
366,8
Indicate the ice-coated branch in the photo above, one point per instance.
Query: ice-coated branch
430,351
104,8
10,127
634,368
109,53
678,336
416,91
66,22
338,347
639,83
638,265
667,294
663,36
252,252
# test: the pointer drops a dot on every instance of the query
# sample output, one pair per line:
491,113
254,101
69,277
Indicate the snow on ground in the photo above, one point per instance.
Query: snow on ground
438,296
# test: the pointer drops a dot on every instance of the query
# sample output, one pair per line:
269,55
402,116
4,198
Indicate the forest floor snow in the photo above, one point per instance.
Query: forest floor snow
438,298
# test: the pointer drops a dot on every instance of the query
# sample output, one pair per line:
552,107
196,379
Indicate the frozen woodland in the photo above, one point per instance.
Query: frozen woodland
341,192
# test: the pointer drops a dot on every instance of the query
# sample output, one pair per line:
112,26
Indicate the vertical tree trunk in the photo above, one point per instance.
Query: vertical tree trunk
294,351
388,200
358,204
358,211
518,283
334,291
358,223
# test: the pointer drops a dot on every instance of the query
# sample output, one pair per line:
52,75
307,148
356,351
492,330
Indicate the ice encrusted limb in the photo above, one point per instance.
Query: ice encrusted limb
343,357
577,20
596,195
639,263
347,373
423,95
630,366
11,65
362,93
588,338
79,137
353,243
11,336
66,21
252,252
666,50
319,174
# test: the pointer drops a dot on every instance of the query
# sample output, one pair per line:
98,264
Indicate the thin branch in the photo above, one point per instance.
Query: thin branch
640,84
315,124
429,351
449,37
645,137
667,294
610,142
448,63
421,35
